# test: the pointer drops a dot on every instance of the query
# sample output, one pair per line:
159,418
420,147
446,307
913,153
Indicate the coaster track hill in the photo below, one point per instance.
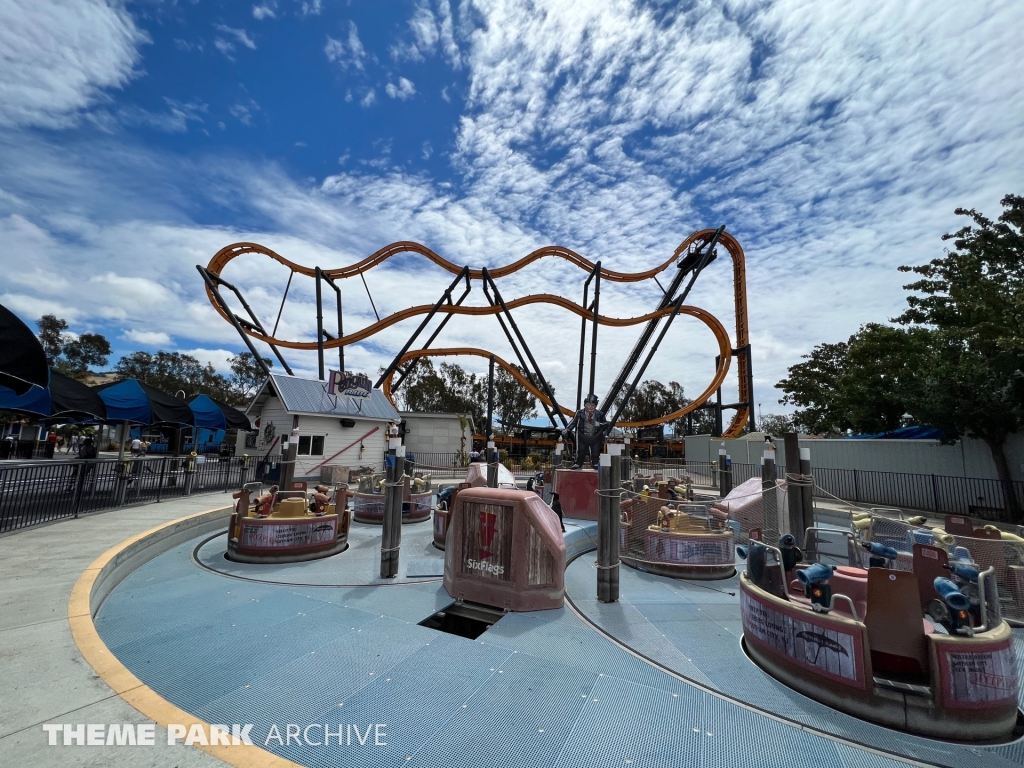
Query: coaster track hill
694,254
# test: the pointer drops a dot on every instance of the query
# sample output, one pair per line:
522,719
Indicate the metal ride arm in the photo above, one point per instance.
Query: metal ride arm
694,263
211,286
547,403
444,321
446,295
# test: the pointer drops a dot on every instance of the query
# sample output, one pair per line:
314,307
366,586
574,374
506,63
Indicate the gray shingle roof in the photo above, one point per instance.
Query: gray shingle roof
310,396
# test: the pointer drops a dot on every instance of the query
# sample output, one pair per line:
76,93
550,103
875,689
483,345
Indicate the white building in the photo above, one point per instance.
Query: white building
430,434
331,430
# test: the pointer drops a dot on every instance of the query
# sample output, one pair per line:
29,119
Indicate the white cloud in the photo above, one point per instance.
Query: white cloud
369,98
834,143
264,11
218,358
404,90
311,7
239,34
148,338
244,110
348,53
429,31
59,58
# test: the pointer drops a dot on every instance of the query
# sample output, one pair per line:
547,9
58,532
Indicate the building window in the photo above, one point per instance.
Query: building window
311,445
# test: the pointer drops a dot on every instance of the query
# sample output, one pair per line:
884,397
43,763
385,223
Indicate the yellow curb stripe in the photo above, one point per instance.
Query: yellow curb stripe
128,686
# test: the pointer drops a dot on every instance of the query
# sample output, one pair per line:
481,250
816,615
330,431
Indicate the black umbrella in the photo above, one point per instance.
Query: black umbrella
22,360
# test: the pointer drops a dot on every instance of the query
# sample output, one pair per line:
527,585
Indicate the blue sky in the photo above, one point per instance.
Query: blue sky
834,141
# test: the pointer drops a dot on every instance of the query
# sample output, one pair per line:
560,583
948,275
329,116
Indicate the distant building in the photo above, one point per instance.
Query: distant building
437,433
329,429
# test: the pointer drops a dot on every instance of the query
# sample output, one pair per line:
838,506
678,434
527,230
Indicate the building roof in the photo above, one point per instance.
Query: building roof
309,396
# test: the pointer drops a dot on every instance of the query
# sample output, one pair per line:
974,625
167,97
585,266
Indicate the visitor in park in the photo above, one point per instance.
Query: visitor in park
51,445
89,453
136,447
75,444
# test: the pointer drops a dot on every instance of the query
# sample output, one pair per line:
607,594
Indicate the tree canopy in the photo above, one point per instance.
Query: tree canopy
955,359
449,389
513,403
71,354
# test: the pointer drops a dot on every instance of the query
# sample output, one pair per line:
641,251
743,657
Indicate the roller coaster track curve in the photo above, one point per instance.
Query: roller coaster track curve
225,255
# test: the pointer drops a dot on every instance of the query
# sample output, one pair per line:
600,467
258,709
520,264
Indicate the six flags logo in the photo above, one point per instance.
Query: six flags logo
487,528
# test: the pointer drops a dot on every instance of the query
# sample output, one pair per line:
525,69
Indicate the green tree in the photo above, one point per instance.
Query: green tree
449,389
956,362
972,302
865,384
247,376
775,424
174,371
70,354
513,403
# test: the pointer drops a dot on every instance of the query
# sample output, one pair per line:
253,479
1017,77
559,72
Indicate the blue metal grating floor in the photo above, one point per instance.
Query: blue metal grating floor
536,689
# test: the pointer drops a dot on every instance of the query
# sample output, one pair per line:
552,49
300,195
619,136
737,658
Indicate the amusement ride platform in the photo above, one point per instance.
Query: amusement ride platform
658,679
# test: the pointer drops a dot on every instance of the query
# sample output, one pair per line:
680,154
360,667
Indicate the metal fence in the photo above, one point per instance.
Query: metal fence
941,494
453,465
38,492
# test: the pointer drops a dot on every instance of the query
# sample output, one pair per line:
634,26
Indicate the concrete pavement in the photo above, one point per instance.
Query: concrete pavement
43,677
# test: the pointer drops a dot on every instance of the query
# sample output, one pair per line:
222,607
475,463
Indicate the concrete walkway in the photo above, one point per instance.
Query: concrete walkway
43,677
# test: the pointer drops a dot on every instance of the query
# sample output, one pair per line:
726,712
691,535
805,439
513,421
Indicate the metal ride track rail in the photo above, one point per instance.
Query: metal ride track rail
223,257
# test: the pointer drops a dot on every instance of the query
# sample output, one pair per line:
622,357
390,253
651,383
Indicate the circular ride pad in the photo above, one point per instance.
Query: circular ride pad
357,566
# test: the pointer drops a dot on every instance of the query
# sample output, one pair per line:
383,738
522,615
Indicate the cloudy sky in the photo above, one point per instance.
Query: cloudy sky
833,139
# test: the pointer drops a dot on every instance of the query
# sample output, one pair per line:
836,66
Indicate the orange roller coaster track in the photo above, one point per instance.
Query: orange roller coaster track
213,275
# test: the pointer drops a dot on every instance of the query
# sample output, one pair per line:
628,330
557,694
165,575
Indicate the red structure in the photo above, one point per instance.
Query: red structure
504,549
577,492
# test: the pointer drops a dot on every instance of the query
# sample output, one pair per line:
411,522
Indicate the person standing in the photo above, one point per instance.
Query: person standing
88,453
51,445
136,447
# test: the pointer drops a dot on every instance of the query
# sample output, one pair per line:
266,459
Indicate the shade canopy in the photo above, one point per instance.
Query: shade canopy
214,414
132,400
22,360
63,397
35,401
70,397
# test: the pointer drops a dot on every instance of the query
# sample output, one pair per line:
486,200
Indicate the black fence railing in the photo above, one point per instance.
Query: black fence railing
38,492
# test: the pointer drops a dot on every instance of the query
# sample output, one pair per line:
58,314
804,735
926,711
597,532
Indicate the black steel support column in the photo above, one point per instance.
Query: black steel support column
490,400
233,320
593,337
319,325
536,369
583,334
448,316
697,261
341,326
256,325
445,296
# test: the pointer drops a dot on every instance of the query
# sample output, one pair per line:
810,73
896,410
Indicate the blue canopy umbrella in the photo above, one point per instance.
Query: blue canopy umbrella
214,414
35,401
63,396
131,400
135,401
